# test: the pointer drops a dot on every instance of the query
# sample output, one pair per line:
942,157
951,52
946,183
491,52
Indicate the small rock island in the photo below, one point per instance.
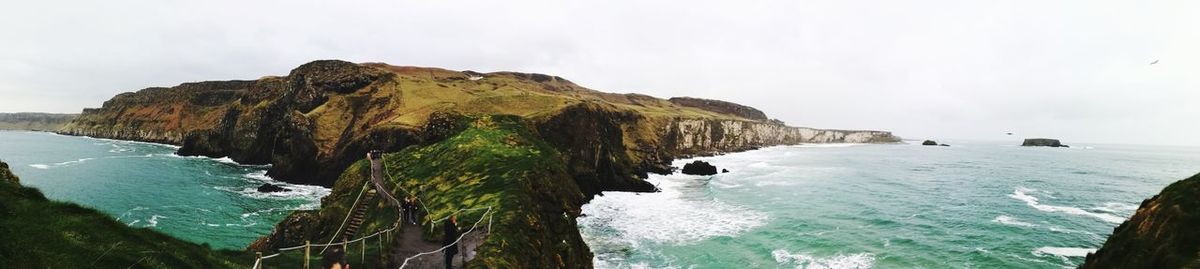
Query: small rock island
1043,142
700,168
933,143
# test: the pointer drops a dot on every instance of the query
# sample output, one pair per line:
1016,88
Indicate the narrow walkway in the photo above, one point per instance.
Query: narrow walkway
408,242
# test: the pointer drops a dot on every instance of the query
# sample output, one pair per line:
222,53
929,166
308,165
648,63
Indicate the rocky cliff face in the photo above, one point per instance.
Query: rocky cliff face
34,121
324,115
1163,233
7,176
722,107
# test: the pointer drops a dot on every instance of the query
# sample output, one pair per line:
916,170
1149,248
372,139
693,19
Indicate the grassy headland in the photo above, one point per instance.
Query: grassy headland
39,233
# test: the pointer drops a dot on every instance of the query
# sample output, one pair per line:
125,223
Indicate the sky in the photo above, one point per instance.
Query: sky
1075,70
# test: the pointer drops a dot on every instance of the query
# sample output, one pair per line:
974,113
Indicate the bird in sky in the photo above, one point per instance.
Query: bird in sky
1154,62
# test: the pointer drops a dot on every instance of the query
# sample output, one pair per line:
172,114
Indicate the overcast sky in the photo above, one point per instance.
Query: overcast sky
1076,70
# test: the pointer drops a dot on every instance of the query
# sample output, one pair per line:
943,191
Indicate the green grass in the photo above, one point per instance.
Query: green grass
38,233
496,162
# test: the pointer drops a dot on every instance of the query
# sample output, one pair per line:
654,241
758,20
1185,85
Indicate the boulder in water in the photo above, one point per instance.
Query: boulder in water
1042,142
929,143
699,168
724,171
268,187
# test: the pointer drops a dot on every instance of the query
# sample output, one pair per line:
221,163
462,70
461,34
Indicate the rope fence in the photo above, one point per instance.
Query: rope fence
307,247
460,236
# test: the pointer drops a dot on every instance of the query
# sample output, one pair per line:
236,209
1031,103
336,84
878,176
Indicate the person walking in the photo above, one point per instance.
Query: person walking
410,209
450,240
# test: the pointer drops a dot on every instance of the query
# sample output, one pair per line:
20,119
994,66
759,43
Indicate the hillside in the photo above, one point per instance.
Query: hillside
1163,233
34,121
321,117
39,233
493,161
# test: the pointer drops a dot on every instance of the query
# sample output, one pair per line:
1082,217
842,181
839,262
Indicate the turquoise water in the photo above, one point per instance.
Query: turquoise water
973,205
202,200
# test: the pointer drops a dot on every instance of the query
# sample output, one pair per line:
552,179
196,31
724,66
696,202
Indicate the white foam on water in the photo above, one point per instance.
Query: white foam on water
666,217
153,221
82,160
1063,253
803,261
1022,194
310,193
224,160
61,164
826,145
1007,220
1118,208
128,142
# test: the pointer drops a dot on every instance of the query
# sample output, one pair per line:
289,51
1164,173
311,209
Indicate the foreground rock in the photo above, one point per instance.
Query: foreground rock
6,175
700,168
1163,233
1042,142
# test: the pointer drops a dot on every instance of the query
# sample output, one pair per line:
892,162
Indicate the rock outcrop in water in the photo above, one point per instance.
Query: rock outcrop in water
929,143
700,168
324,115
1163,233
1042,142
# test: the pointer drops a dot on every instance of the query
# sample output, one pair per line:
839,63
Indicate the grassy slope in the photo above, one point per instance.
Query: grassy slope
496,162
38,233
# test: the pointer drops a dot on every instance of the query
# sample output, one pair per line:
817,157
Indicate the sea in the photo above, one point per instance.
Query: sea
975,204
204,200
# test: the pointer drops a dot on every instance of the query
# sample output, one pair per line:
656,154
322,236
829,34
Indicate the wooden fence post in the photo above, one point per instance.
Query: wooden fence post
306,253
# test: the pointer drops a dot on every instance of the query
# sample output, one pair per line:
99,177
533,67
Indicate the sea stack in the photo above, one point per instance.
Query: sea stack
1043,142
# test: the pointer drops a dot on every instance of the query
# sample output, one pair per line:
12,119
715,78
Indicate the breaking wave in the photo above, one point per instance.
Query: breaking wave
1022,194
851,261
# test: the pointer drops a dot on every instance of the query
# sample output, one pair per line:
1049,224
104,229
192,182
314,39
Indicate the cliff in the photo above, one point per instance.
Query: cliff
317,120
39,233
1163,233
34,121
533,147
